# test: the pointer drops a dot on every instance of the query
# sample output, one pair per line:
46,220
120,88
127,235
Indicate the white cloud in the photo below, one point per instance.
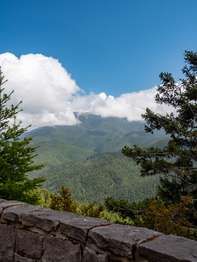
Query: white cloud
43,85
130,105
50,96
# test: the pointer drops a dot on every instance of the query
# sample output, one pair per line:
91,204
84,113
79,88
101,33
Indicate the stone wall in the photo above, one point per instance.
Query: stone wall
30,233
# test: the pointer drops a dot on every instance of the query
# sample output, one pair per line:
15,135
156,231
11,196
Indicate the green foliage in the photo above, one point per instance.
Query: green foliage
170,218
127,210
173,218
175,209
90,209
63,201
109,174
16,154
116,218
177,160
44,197
123,207
86,158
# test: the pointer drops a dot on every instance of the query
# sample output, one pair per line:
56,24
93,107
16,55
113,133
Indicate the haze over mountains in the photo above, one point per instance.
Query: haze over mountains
87,158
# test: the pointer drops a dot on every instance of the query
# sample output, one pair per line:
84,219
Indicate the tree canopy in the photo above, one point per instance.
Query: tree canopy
177,161
16,152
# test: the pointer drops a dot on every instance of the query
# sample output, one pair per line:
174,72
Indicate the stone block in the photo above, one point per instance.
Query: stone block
119,240
59,250
4,204
37,219
45,218
169,248
91,256
77,228
32,216
7,242
13,214
18,258
29,244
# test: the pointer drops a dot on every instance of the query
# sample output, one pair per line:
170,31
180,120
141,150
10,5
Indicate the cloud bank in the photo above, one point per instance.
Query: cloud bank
50,96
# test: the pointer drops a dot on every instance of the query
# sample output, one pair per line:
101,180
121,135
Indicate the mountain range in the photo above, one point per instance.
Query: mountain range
87,158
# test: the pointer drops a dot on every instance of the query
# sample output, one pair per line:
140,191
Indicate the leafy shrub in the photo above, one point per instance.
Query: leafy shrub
89,209
116,218
62,200
122,207
169,218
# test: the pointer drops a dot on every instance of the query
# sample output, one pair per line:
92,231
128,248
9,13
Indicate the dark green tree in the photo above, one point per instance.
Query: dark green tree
16,153
177,161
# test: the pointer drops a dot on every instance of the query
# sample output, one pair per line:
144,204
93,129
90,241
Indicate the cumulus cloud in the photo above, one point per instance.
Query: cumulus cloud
43,85
130,105
50,96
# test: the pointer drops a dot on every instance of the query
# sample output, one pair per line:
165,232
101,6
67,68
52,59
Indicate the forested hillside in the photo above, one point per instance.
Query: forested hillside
87,158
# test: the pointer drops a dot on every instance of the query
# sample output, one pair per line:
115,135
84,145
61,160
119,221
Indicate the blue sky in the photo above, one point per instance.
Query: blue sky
116,46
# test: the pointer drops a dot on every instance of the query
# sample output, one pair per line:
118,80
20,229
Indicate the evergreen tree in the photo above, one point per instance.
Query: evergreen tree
16,153
176,162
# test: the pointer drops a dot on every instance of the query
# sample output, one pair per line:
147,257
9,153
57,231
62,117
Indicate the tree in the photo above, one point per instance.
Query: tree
16,153
177,161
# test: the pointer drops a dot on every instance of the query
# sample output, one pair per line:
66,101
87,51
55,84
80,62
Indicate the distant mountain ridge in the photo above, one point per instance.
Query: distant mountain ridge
86,157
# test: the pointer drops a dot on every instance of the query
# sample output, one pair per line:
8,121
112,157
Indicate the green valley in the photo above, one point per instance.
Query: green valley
87,159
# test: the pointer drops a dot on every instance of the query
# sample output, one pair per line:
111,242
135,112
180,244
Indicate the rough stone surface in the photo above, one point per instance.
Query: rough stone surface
36,220
34,216
6,204
59,250
7,241
90,255
77,227
14,213
119,239
18,258
169,248
33,234
29,244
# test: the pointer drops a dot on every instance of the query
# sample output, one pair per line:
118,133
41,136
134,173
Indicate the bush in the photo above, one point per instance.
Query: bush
89,209
116,218
63,201
169,218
